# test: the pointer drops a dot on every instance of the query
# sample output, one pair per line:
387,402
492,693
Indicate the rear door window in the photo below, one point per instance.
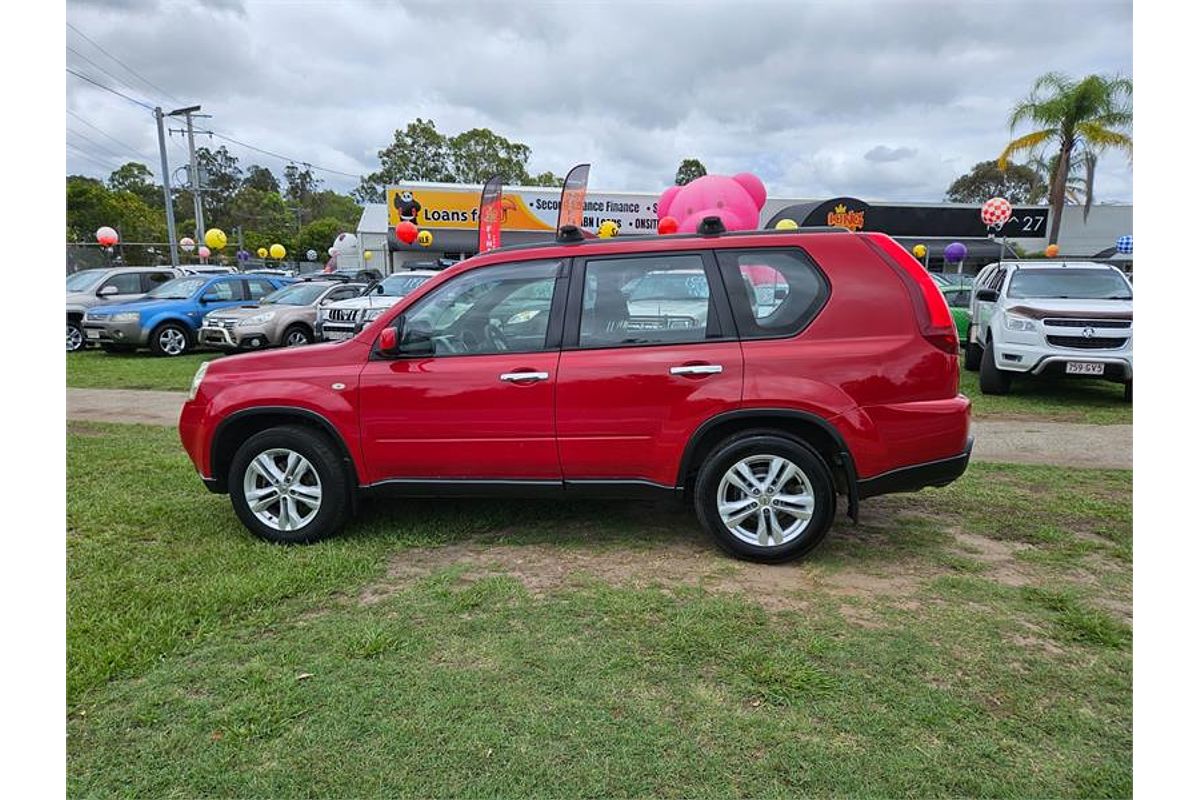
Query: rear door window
152,279
773,292
258,287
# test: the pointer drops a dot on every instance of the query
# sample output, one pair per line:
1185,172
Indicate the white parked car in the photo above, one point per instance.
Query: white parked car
1050,318
341,320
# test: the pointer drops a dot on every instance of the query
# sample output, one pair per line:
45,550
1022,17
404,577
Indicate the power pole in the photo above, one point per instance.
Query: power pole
197,202
168,204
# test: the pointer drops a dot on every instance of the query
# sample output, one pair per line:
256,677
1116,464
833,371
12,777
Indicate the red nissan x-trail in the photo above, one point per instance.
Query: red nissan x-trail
757,374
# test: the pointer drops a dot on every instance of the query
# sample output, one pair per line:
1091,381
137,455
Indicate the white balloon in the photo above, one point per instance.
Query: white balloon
186,244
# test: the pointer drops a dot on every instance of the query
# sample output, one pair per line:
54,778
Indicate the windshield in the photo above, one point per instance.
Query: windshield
1069,284
671,286
399,285
86,280
178,289
298,294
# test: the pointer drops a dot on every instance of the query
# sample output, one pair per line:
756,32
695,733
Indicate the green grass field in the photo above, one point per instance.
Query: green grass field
538,649
95,369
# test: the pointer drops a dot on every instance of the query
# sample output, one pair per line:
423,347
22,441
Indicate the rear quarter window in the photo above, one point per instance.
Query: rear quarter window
774,293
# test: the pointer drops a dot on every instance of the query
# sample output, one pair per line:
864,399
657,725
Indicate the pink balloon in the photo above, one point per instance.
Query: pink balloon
204,252
736,199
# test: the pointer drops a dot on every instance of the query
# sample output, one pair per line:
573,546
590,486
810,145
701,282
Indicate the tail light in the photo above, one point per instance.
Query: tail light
933,313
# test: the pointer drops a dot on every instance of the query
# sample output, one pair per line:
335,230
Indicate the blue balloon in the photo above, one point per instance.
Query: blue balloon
1125,244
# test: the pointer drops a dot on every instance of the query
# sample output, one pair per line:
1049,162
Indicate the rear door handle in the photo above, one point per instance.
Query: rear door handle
697,369
514,377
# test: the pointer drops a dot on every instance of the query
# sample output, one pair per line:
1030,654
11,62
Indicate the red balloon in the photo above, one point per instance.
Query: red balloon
668,225
407,232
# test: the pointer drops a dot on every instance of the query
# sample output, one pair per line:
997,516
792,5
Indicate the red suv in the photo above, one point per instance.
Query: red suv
758,374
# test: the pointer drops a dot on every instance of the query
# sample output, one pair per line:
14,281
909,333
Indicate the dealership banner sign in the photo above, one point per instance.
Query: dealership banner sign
455,207
897,220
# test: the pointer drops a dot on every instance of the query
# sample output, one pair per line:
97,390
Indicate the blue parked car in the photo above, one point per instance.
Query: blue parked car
168,318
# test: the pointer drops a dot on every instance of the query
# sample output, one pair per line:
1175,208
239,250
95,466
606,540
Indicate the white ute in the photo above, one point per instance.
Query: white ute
1050,318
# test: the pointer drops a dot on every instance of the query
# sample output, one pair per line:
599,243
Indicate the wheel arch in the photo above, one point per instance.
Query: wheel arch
239,426
811,429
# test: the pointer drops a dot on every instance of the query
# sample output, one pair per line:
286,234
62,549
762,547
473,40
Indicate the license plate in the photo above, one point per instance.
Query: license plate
1084,368
93,334
337,336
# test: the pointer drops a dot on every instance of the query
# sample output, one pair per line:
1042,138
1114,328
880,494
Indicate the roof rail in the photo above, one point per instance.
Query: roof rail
642,237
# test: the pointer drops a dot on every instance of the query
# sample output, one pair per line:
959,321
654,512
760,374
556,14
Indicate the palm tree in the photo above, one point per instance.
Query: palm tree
1092,113
1081,177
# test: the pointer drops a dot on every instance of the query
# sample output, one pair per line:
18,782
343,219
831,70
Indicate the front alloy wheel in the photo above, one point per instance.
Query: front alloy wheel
74,337
169,340
282,489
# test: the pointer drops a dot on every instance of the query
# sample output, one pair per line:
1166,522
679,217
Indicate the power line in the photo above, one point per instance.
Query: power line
94,143
283,157
79,151
127,146
120,81
128,68
146,106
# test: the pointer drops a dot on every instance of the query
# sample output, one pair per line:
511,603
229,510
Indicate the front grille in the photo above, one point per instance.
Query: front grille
1088,323
342,314
1086,343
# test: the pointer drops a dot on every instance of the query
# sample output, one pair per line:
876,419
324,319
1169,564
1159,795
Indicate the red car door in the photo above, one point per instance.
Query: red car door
649,353
473,399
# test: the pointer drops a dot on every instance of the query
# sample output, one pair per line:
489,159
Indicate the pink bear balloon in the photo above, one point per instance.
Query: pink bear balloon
736,200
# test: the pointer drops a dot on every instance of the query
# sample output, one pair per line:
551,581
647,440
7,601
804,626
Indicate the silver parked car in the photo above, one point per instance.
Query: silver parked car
285,317
342,320
92,287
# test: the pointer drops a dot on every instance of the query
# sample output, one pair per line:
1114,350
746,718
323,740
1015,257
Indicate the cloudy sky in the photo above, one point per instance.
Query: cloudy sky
883,100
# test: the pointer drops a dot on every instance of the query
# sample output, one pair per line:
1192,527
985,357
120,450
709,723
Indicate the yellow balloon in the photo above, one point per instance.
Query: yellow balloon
262,252
368,255
277,251
424,238
786,225
215,238
608,229
920,250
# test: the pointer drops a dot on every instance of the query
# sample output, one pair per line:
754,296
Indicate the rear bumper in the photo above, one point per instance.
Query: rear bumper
918,476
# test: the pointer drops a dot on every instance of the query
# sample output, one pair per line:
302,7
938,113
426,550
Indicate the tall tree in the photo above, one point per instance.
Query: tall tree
546,179
220,177
319,235
1093,112
301,183
260,178
417,153
1019,184
478,154
336,206
689,170
137,178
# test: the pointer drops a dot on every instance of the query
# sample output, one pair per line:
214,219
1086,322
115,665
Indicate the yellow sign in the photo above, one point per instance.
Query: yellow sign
448,208
841,218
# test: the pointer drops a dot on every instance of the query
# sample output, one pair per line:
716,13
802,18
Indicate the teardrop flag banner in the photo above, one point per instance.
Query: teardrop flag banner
570,205
490,214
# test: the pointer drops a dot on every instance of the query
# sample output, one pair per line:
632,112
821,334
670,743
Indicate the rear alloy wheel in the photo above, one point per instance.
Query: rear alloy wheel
296,336
288,486
992,379
765,497
75,339
169,339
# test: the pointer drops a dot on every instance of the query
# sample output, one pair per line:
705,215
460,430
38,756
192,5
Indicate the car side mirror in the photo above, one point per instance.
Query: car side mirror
208,298
107,291
987,295
414,340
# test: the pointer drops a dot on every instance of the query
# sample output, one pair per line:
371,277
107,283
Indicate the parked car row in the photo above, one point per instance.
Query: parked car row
127,308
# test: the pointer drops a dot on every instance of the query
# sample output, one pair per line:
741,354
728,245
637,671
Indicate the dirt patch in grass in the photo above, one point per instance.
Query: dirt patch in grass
998,556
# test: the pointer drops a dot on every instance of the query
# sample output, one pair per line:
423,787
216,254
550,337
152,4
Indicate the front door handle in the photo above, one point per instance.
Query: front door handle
515,377
697,369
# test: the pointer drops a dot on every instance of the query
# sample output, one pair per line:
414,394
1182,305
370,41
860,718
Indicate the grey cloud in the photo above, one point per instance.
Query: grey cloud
884,153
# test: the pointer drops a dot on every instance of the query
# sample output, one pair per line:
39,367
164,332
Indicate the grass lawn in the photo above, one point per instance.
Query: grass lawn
1061,399
95,369
601,649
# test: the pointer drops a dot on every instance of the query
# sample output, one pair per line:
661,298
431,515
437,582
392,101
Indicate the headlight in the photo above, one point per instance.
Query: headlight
1015,323
372,314
196,381
258,319
127,316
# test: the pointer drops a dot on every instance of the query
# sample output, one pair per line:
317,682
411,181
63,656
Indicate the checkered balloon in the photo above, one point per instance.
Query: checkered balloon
995,212
1125,244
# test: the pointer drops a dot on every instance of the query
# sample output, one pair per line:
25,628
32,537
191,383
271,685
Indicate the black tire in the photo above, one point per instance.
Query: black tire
334,509
1128,391
765,443
296,330
117,348
992,379
75,338
170,331
972,357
